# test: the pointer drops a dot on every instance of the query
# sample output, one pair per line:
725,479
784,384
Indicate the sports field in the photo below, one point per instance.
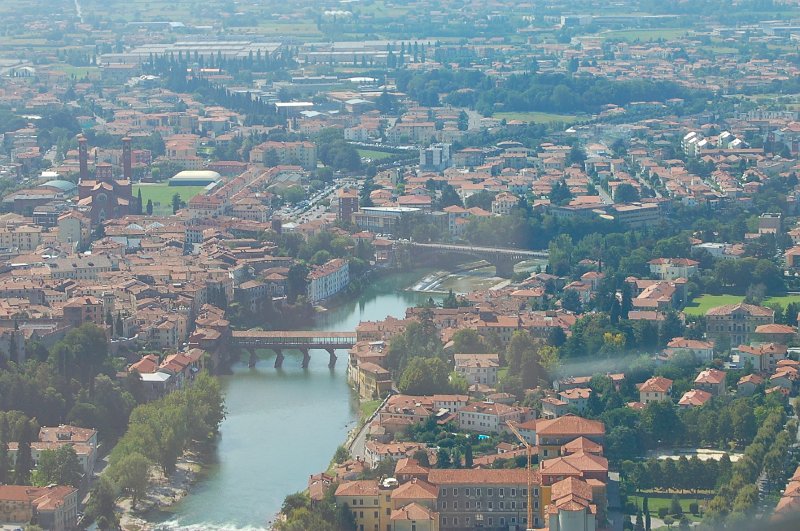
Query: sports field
702,304
161,195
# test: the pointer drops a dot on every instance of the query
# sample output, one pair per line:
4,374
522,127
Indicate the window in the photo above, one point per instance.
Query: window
455,492
444,520
375,515
444,505
536,491
490,492
361,514
502,521
455,520
388,511
491,505
524,492
477,504
524,505
491,521
501,492
455,505
444,492
513,492
477,492
467,504
466,520
375,501
513,519
513,505
502,505
466,492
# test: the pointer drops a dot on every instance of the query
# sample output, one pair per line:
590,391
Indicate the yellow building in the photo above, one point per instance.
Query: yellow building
370,503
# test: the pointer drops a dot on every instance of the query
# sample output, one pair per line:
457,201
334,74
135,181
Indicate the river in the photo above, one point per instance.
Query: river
283,425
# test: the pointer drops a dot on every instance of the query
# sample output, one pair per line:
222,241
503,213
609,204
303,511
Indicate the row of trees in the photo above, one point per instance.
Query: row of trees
158,434
682,474
736,500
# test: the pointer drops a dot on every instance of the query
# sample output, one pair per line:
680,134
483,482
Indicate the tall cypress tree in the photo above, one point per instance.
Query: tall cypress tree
4,467
24,464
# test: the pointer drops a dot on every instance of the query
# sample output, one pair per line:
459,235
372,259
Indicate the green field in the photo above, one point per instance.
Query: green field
161,195
538,117
374,155
644,34
702,304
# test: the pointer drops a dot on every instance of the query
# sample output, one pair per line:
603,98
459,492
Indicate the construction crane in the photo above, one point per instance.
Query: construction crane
529,451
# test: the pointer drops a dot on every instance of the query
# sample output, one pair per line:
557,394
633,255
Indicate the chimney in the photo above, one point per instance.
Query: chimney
83,157
127,173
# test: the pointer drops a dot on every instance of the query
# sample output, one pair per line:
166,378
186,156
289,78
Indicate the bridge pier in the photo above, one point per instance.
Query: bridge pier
251,362
504,267
306,358
278,358
331,357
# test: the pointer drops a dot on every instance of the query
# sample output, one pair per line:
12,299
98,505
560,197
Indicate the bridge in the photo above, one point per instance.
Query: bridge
503,259
302,340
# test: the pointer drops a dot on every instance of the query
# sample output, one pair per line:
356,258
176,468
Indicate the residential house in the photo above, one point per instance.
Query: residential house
54,508
571,506
712,381
673,268
703,351
747,385
694,398
489,417
478,368
656,389
763,358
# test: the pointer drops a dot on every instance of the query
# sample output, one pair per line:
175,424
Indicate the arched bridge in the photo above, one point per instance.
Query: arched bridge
302,340
503,259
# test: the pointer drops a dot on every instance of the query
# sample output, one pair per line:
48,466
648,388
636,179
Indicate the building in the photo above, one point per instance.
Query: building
694,398
382,220
85,309
656,389
673,268
369,501
489,417
485,498
762,358
348,204
274,153
328,279
571,507
478,368
736,323
703,351
503,203
435,157
54,508
74,228
550,435
712,381
105,196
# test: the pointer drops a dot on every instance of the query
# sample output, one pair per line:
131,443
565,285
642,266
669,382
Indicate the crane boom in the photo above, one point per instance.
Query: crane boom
529,474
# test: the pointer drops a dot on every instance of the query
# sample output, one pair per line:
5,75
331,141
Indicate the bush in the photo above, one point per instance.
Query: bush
675,507
662,512
694,508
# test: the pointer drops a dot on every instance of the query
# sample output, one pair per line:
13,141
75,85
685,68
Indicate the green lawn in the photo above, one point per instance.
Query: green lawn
538,117
705,302
368,407
161,195
656,501
644,34
374,155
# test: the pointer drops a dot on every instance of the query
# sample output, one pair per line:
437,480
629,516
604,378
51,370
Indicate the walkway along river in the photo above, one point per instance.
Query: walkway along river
284,424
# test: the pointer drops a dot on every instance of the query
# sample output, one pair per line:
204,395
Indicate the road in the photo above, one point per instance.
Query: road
358,446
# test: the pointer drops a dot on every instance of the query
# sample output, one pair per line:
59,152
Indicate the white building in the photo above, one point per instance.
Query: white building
478,368
328,279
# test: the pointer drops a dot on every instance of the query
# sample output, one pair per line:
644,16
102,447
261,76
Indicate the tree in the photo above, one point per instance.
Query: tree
341,455
675,505
149,207
626,193
468,462
425,377
443,458
139,202
131,473
60,466
646,511
4,463
24,462
177,203
468,341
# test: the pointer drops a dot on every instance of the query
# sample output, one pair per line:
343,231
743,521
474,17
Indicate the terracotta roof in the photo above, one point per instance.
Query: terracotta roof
750,309
367,487
656,384
416,489
444,476
710,376
570,425
414,511
694,397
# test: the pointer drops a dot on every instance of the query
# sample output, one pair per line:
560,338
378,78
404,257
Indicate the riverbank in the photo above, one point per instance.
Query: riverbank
162,493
